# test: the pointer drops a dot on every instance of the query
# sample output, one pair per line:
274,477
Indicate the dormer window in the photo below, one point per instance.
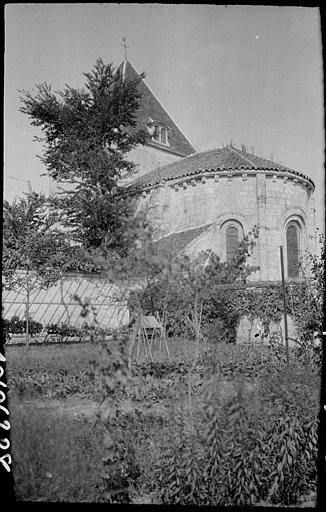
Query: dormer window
158,132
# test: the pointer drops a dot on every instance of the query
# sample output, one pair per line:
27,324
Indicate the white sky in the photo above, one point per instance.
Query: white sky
250,74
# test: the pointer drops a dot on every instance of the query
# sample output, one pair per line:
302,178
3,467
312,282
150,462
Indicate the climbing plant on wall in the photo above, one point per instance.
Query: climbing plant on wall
309,306
196,291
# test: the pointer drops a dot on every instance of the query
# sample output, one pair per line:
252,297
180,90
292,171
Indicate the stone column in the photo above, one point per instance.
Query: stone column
261,217
158,209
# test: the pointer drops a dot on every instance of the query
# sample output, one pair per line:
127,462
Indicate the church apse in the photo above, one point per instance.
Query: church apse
213,190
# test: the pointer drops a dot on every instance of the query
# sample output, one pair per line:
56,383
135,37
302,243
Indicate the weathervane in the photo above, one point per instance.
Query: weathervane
124,39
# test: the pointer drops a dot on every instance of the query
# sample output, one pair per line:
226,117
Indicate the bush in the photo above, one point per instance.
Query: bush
65,330
17,326
252,440
39,382
68,331
253,448
56,371
245,435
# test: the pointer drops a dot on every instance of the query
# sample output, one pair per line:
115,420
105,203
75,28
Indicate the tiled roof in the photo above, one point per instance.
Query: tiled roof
176,242
222,159
150,107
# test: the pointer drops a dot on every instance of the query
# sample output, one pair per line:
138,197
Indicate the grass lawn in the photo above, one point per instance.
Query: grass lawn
57,449
52,357
57,444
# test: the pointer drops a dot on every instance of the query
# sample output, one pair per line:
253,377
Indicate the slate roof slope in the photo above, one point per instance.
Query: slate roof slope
175,243
227,158
150,107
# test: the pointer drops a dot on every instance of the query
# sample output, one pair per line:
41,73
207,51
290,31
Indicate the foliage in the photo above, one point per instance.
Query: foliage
255,302
51,372
221,311
223,455
217,440
65,330
309,310
225,298
251,440
87,133
185,292
16,326
186,468
37,383
35,252
113,371
220,441
145,263
225,459
226,305
55,458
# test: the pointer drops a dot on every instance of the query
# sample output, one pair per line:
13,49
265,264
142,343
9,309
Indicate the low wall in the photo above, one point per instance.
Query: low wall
249,331
58,303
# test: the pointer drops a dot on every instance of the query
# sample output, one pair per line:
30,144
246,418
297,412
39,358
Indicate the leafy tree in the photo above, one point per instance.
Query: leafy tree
30,238
35,252
87,133
309,309
183,287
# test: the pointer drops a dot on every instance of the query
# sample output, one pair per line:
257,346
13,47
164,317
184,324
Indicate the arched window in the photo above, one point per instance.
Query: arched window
292,250
232,242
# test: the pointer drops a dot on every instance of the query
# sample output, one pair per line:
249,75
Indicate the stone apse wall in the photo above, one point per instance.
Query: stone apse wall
269,199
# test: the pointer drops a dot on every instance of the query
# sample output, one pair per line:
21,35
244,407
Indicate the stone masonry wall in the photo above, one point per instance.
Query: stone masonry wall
285,201
148,158
246,199
249,331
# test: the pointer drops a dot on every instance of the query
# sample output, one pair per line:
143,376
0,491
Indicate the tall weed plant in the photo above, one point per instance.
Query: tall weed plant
215,449
239,450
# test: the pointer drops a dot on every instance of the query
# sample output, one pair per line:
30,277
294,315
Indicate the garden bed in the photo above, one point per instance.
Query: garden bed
55,396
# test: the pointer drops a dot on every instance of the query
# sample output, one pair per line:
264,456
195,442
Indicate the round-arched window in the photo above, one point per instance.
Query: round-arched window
292,250
232,242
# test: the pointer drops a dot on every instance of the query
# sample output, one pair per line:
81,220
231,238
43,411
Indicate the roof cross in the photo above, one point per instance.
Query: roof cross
124,39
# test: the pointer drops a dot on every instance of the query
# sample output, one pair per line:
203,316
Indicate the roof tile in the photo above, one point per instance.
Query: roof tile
222,159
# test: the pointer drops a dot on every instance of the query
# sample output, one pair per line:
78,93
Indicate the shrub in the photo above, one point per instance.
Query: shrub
257,445
17,326
65,330
219,445
232,461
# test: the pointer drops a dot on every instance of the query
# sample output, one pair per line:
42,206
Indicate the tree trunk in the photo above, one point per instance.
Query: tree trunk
27,310
63,302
